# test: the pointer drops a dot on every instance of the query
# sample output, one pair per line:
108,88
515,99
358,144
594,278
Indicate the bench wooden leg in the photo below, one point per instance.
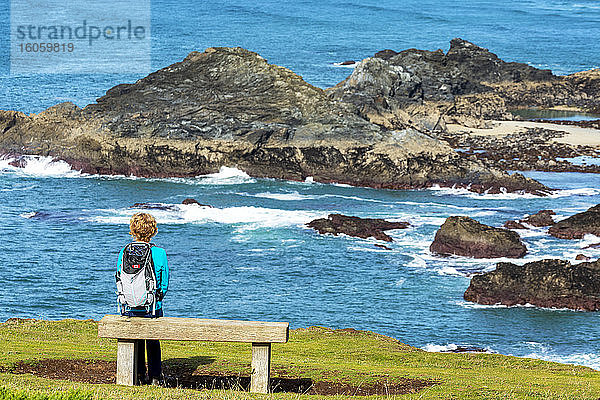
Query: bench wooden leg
127,354
261,368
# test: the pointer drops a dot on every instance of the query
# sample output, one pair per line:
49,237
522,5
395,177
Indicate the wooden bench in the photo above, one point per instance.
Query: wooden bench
127,330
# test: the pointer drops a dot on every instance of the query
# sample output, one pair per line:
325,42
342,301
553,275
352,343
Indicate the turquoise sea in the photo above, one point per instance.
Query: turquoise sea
251,256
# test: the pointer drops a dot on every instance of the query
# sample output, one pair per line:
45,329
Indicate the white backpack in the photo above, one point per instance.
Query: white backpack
136,279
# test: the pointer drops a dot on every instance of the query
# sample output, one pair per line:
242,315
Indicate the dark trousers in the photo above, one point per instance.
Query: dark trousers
149,348
153,352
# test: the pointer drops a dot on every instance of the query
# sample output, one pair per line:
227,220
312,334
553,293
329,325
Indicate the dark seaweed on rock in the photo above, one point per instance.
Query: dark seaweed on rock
546,283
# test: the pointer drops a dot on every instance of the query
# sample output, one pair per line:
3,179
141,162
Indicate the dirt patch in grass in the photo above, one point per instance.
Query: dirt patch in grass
88,371
100,371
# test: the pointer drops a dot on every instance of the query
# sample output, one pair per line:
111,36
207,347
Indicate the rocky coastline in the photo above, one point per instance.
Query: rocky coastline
228,106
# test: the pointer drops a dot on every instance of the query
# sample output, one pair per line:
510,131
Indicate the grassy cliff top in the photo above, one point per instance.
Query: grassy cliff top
66,360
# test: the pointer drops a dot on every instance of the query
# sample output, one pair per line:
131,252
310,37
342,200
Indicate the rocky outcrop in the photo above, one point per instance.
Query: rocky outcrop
386,88
464,236
546,283
539,219
468,85
354,226
229,107
578,225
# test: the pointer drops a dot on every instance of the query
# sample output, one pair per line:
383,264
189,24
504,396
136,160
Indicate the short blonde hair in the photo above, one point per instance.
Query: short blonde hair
142,227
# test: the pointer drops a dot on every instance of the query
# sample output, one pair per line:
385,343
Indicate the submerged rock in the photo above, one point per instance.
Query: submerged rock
578,225
464,236
357,227
189,201
155,206
229,107
546,283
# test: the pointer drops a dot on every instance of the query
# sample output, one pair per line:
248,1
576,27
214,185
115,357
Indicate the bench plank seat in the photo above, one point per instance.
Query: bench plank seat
171,328
126,330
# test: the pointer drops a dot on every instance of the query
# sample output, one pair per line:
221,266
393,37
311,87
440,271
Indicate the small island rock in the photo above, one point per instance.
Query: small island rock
356,226
545,283
464,236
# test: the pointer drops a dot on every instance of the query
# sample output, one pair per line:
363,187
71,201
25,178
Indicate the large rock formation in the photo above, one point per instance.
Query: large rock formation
228,106
578,225
389,87
546,283
466,85
464,236
355,226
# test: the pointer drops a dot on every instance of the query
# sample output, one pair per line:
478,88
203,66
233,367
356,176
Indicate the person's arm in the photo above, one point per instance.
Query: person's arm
119,261
164,282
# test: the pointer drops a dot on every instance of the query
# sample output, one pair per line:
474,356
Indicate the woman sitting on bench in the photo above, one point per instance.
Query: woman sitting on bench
142,281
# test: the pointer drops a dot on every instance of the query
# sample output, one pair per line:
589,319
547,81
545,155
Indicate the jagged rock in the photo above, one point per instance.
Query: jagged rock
578,225
189,201
546,283
514,225
348,62
464,236
582,257
355,226
229,107
541,218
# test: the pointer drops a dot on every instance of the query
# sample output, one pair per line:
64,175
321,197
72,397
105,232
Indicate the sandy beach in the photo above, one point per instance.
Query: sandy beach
575,135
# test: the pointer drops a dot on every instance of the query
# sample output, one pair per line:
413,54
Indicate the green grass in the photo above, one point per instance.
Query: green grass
321,354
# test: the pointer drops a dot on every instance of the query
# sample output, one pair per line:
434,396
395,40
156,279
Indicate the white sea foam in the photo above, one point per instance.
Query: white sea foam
41,167
28,215
591,360
250,217
225,176
505,195
292,196
467,304
344,185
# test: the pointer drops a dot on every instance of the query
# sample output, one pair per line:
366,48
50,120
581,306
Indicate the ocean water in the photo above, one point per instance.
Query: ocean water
309,36
252,257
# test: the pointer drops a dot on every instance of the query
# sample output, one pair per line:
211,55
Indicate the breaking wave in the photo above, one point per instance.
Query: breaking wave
252,217
38,166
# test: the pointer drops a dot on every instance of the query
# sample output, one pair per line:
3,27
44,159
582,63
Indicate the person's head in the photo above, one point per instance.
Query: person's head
142,227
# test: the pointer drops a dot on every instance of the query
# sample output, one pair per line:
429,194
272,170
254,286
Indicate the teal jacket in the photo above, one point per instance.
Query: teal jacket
161,269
